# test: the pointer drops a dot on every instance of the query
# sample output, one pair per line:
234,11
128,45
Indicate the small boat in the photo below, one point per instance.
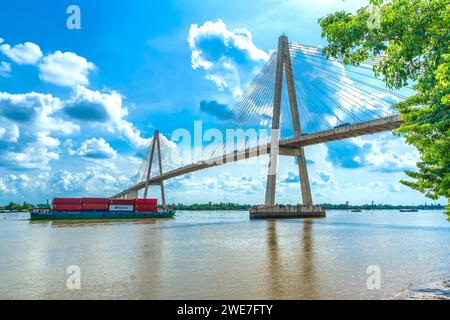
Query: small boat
409,210
355,210
98,208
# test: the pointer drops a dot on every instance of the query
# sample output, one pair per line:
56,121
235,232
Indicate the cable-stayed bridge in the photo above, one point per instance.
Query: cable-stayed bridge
300,98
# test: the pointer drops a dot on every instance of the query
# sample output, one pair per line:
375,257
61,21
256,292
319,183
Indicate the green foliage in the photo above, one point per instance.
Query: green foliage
12,206
234,206
210,206
413,39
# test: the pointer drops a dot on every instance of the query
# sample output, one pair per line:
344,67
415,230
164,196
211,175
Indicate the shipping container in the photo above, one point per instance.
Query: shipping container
153,209
145,208
95,200
120,207
146,201
67,200
94,207
67,207
138,205
124,202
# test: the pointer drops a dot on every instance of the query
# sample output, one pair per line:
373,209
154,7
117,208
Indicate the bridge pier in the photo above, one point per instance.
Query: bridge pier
286,211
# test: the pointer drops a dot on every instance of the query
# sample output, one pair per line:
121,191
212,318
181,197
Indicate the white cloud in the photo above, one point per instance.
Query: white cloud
387,153
103,109
26,53
223,182
95,181
10,133
226,56
96,149
65,69
34,109
27,130
5,69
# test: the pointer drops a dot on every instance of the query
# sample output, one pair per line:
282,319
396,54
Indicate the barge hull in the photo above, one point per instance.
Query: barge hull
77,215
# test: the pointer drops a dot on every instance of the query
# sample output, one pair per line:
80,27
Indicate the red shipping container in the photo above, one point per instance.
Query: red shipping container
67,200
67,207
146,201
95,200
122,202
146,209
139,205
94,207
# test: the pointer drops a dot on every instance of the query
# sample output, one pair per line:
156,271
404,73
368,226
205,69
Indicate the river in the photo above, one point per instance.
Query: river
224,255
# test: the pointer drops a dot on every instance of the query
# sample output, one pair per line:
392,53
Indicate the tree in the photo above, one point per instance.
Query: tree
412,37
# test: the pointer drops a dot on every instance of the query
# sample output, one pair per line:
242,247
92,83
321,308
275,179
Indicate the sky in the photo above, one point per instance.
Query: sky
78,107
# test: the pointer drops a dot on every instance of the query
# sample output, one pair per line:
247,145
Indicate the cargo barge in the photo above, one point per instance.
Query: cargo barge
100,208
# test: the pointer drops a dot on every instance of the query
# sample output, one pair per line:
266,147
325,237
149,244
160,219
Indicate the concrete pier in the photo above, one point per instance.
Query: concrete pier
286,211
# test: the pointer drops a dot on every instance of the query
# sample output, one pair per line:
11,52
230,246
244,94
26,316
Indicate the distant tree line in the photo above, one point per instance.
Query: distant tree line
382,206
210,206
329,206
12,206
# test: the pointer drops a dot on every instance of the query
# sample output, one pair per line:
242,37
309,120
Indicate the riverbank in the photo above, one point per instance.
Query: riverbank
438,290
327,206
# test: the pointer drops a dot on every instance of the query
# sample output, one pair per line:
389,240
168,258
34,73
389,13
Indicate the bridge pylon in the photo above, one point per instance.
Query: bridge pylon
284,64
155,143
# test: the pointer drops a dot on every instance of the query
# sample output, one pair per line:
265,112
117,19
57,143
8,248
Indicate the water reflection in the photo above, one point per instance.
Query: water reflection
299,261
223,255
307,259
273,263
94,223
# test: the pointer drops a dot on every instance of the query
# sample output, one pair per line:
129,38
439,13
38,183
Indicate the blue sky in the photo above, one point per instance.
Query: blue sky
77,107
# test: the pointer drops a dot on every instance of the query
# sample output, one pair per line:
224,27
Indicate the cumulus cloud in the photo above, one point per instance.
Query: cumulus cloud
5,69
228,57
93,181
35,109
13,182
99,180
218,110
9,134
33,155
346,154
95,106
96,149
65,69
27,125
31,123
224,181
26,53
381,152
388,153
104,109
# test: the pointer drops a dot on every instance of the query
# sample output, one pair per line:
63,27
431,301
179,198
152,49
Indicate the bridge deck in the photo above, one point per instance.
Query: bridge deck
352,130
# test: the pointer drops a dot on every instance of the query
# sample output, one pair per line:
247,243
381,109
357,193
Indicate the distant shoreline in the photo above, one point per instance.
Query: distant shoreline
326,206
13,207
